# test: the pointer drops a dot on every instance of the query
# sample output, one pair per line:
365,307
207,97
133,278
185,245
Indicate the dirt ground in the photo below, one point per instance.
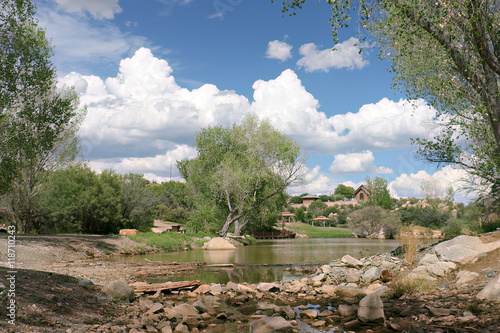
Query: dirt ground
52,295
50,289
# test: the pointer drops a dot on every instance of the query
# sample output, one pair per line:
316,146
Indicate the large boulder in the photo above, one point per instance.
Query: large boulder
119,290
271,325
463,249
218,243
371,309
492,290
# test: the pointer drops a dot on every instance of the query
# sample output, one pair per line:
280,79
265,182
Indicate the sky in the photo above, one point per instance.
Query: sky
153,73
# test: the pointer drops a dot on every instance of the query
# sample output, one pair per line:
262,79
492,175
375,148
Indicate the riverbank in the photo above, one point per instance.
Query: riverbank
54,294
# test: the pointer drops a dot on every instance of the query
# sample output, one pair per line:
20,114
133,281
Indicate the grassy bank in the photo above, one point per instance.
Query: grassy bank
320,232
169,241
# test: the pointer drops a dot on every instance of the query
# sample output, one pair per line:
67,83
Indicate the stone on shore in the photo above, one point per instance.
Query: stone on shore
270,325
119,290
491,291
218,243
351,261
371,309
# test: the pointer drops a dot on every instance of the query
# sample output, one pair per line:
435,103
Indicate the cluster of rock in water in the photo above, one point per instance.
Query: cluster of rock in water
345,295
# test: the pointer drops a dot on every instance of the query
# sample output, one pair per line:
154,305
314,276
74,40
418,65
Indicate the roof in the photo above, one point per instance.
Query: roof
321,218
310,196
287,214
361,188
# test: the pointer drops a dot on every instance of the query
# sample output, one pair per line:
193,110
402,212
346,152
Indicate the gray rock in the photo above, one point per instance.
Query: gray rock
353,275
311,314
463,249
271,325
205,304
347,310
491,291
181,328
267,287
83,282
371,309
287,312
348,292
351,261
119,290
465,277
183,310
371,274
429,259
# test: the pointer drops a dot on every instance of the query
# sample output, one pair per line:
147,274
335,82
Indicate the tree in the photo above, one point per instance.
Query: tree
378,194
242,169
345,191
447,52
316,207
38,121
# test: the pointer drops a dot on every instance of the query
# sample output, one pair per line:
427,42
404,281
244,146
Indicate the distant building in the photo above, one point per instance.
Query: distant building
361,194
307,199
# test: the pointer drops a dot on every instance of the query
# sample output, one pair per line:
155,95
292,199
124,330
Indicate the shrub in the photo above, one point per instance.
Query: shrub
454,227
405,285
409,242
316,207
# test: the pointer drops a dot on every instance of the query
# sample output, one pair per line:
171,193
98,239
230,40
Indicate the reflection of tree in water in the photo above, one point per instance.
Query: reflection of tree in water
255,274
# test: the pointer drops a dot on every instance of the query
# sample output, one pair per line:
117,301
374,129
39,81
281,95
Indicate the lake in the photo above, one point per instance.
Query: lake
268,260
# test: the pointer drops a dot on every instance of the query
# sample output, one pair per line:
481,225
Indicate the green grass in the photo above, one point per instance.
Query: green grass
168,241
320,232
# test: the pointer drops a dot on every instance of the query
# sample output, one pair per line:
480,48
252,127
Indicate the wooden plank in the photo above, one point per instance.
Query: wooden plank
166,286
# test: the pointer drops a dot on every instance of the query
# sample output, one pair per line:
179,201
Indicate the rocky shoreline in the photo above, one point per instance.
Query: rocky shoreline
345,295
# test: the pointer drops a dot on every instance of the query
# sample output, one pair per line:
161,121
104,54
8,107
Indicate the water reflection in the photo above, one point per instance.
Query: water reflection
276,255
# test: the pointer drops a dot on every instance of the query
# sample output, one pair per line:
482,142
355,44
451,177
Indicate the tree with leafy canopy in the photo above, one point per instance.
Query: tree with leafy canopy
242,170
378,194
448,53
38,121
345,191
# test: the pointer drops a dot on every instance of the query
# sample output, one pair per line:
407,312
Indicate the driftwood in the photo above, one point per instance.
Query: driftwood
166,286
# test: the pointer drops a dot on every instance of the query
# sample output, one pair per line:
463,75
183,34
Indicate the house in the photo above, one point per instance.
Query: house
361,194
308,199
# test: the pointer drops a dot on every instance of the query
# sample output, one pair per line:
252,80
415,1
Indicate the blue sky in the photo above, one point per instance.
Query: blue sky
154,72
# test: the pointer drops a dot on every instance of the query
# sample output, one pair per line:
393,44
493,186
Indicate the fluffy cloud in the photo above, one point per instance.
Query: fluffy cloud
135,118
313,182
97,8
381,126
409,185
344,55
357,163
278,50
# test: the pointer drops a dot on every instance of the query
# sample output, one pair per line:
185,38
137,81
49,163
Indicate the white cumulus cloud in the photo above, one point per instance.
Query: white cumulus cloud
363,162
313,182
409,185
99,9
278,50
343,55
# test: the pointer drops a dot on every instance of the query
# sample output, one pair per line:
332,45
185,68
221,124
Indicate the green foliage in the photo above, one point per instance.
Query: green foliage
295,200
445,52
378,193
80,201
300,214
321,232
242,171
454,227
371,219
424,216
345,191
38,121
168,241
316,208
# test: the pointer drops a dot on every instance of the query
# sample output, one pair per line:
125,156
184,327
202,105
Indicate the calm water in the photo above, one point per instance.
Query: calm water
267,260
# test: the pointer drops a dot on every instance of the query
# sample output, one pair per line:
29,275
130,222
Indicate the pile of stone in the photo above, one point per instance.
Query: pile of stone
348,293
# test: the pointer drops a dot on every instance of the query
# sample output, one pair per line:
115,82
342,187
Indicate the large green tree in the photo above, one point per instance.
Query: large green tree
447,52
38,121
378,193
242,170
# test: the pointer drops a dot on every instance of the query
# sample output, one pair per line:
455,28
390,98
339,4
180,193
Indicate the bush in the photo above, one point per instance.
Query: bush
316,207
404,285
454,227
424,216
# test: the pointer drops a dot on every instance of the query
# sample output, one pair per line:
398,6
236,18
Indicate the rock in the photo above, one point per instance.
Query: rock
166,329
371,309
271,325
326,269
183,310
465,277
83,282
318,323
218,243
267,287
155,307
119,290
428,259
327,290
438,311
463,249
311,314
347,310
351,261
371,274
348,292
491,291
386,275
378,289
205,304
353,275
181,328
287,312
